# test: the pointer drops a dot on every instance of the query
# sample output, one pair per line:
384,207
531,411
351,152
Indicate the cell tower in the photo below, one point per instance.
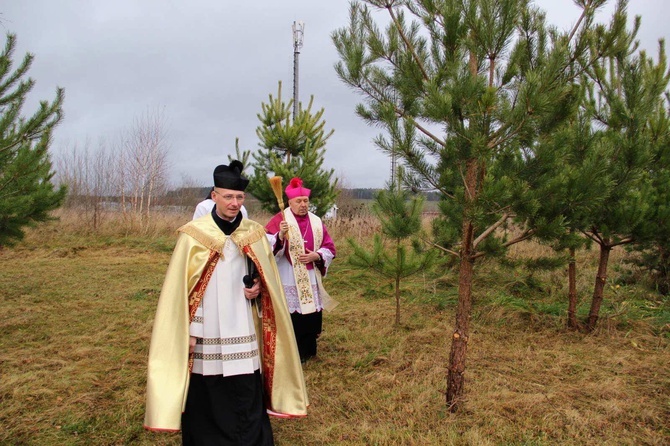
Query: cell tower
298,36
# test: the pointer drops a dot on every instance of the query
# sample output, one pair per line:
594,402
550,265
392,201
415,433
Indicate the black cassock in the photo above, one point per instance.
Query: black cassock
226,411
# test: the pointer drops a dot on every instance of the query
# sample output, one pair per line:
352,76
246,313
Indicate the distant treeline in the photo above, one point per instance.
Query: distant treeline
369,194
356,193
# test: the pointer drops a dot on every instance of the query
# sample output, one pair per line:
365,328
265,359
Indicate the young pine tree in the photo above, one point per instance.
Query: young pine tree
292,148
27,194
568,175
630,90
391,256
654,246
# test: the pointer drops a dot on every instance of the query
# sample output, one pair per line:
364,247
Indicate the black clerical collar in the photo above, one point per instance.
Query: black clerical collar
228,227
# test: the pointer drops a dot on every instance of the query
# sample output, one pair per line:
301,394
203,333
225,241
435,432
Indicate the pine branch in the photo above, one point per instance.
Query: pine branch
490,229
409,46
524,236
441,248
623,241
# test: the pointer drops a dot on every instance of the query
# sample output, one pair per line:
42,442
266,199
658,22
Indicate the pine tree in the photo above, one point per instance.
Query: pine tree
630,89
400,219
570,183
27,194
586,172
469,87
292,148
654,246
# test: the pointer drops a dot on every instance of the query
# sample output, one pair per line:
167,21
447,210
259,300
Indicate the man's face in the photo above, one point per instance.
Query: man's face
228,202
299,205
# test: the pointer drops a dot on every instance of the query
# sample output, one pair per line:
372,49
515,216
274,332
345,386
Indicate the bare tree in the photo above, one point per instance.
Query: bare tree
88,176
132,172
69,167
142,163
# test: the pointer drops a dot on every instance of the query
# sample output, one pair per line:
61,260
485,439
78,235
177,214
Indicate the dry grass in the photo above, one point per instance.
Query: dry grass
71,223
358,228
77,315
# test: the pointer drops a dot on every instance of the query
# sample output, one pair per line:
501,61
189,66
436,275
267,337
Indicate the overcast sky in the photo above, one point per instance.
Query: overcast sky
209,64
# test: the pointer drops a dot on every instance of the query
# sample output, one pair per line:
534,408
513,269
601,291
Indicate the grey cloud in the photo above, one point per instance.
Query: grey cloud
209,64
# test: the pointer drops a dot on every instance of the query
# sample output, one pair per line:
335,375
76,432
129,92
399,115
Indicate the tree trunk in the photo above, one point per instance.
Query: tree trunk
599,287
461,333
397,301
663,278
460,336
96,212
572,291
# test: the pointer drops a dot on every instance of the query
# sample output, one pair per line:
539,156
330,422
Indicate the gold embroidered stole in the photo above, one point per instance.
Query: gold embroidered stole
296,246
199,292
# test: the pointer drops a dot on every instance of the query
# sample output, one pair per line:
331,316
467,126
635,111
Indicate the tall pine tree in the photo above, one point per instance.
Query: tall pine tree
27,194
480,82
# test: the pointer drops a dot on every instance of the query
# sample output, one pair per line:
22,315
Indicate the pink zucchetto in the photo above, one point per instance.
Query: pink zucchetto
295,189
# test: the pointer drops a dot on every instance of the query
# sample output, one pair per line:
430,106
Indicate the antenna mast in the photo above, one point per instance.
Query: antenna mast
298,36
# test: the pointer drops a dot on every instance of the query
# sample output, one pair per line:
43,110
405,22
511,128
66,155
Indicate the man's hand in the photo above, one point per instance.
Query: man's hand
254,291
283,230
309,256
191,344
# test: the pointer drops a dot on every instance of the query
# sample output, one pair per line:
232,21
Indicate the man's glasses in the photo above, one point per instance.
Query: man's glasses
229,197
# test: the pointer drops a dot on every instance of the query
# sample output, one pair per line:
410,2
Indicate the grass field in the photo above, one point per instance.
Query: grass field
77,313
